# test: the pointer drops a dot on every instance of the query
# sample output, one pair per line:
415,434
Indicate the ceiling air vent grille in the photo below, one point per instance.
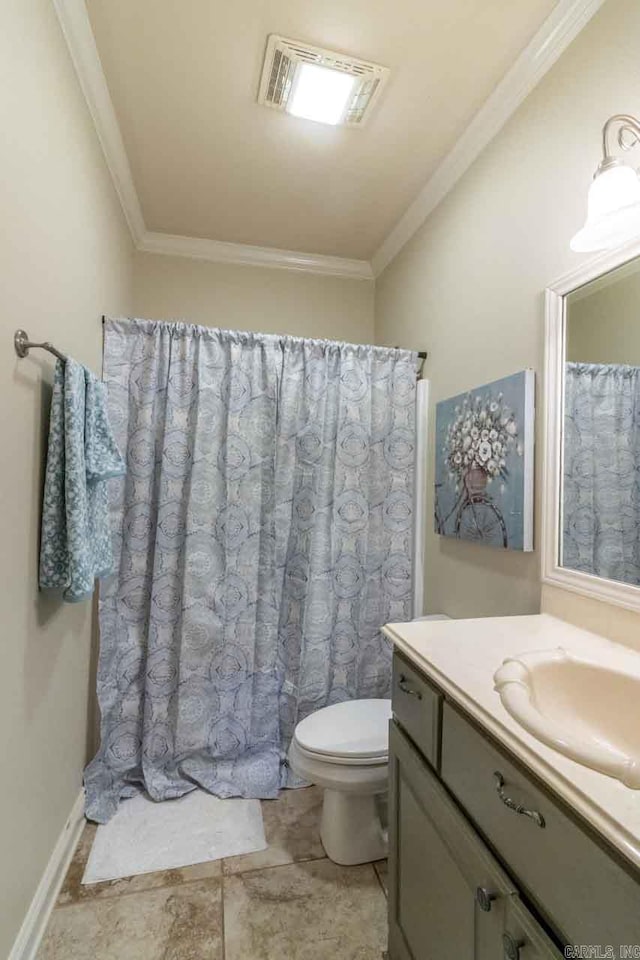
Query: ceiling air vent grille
283,57
280,77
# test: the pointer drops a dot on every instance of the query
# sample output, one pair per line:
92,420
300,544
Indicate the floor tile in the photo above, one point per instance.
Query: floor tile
305,911
292,830
381,867
183,923
73,891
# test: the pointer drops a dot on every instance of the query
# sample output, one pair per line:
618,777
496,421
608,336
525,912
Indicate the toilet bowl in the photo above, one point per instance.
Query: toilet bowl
344,749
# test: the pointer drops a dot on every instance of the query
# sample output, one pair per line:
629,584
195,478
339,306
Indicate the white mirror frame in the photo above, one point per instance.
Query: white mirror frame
622,594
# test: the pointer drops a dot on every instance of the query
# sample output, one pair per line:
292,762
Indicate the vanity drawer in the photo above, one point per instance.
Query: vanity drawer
417,706
581,887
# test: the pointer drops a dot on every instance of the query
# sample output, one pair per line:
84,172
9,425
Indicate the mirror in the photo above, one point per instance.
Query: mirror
599,515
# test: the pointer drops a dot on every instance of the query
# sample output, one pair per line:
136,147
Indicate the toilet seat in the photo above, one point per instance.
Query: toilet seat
348,761
354,732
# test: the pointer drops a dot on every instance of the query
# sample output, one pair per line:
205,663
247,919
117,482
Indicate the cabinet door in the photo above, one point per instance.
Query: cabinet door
524,938
447,895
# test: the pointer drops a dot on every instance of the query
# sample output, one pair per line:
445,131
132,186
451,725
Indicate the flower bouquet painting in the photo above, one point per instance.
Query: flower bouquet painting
484,463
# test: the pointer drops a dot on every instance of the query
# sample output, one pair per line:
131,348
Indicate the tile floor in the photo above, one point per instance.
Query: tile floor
288,902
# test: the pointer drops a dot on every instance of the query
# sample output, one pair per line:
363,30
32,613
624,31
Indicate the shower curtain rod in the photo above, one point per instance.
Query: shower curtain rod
422,354
22,346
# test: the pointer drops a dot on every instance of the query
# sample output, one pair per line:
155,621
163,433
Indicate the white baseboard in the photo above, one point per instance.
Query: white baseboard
35,922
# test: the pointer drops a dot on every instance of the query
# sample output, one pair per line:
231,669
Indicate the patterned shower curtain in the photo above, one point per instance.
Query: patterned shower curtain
601,496
262,537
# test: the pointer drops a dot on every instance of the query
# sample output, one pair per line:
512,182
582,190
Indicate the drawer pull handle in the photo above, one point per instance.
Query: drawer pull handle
511,947
404,686
484,899
517,807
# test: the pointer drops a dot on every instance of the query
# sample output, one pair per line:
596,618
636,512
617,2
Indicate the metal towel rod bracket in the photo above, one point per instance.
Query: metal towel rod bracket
22,345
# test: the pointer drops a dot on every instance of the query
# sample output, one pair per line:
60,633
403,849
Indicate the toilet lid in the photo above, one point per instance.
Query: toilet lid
356,728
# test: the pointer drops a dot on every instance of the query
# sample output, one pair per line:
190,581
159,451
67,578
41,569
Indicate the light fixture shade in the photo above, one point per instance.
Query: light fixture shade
613,210
319,93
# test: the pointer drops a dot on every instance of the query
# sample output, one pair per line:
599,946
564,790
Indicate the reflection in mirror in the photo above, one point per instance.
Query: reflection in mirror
600,518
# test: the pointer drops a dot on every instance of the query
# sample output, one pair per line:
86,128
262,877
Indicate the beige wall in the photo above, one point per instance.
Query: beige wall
615,623
469,285
603,319
66,258
253,298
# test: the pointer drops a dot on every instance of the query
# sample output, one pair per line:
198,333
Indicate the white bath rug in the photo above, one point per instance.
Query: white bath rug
145,836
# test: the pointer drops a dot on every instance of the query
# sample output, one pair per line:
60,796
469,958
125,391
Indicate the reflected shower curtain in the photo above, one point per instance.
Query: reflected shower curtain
262,536
601,496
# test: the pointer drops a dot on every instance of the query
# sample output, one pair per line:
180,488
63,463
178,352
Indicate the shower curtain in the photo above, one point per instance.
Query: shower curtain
262,536
601,495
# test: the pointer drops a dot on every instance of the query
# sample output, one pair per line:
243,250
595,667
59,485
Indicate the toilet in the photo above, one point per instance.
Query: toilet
344,749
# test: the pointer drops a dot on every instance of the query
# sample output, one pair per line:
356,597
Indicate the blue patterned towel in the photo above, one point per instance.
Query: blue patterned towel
82,455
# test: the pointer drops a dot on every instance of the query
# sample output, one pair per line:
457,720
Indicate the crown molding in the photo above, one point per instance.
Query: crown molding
219,251
77,31
561,27
76,27
555,35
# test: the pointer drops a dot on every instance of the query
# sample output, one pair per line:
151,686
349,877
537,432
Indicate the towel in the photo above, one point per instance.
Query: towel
76,537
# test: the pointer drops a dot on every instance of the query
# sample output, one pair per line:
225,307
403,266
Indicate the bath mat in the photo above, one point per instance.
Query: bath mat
145,836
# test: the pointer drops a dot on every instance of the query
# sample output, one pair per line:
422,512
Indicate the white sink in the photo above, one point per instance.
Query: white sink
586,708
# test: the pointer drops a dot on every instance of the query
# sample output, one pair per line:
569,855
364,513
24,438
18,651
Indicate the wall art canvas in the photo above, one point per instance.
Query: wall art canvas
484,464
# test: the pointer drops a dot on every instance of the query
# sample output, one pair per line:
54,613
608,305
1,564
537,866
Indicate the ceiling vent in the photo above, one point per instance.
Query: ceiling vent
284,75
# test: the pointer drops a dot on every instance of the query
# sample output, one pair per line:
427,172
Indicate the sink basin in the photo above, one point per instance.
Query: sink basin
586,708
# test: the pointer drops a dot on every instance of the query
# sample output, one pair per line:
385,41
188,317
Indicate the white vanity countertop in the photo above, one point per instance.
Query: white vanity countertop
461,656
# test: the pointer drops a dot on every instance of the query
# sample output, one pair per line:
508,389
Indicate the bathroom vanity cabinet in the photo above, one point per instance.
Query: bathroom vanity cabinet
484,860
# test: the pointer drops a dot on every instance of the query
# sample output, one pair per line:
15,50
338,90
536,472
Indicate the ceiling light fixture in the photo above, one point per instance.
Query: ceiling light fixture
318,84
613,204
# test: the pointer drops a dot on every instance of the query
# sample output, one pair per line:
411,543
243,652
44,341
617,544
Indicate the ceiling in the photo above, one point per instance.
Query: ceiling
208,162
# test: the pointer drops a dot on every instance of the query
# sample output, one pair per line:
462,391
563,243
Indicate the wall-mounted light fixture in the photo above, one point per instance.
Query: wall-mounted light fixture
613,205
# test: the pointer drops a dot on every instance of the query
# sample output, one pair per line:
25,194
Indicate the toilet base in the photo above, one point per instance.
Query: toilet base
350,829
